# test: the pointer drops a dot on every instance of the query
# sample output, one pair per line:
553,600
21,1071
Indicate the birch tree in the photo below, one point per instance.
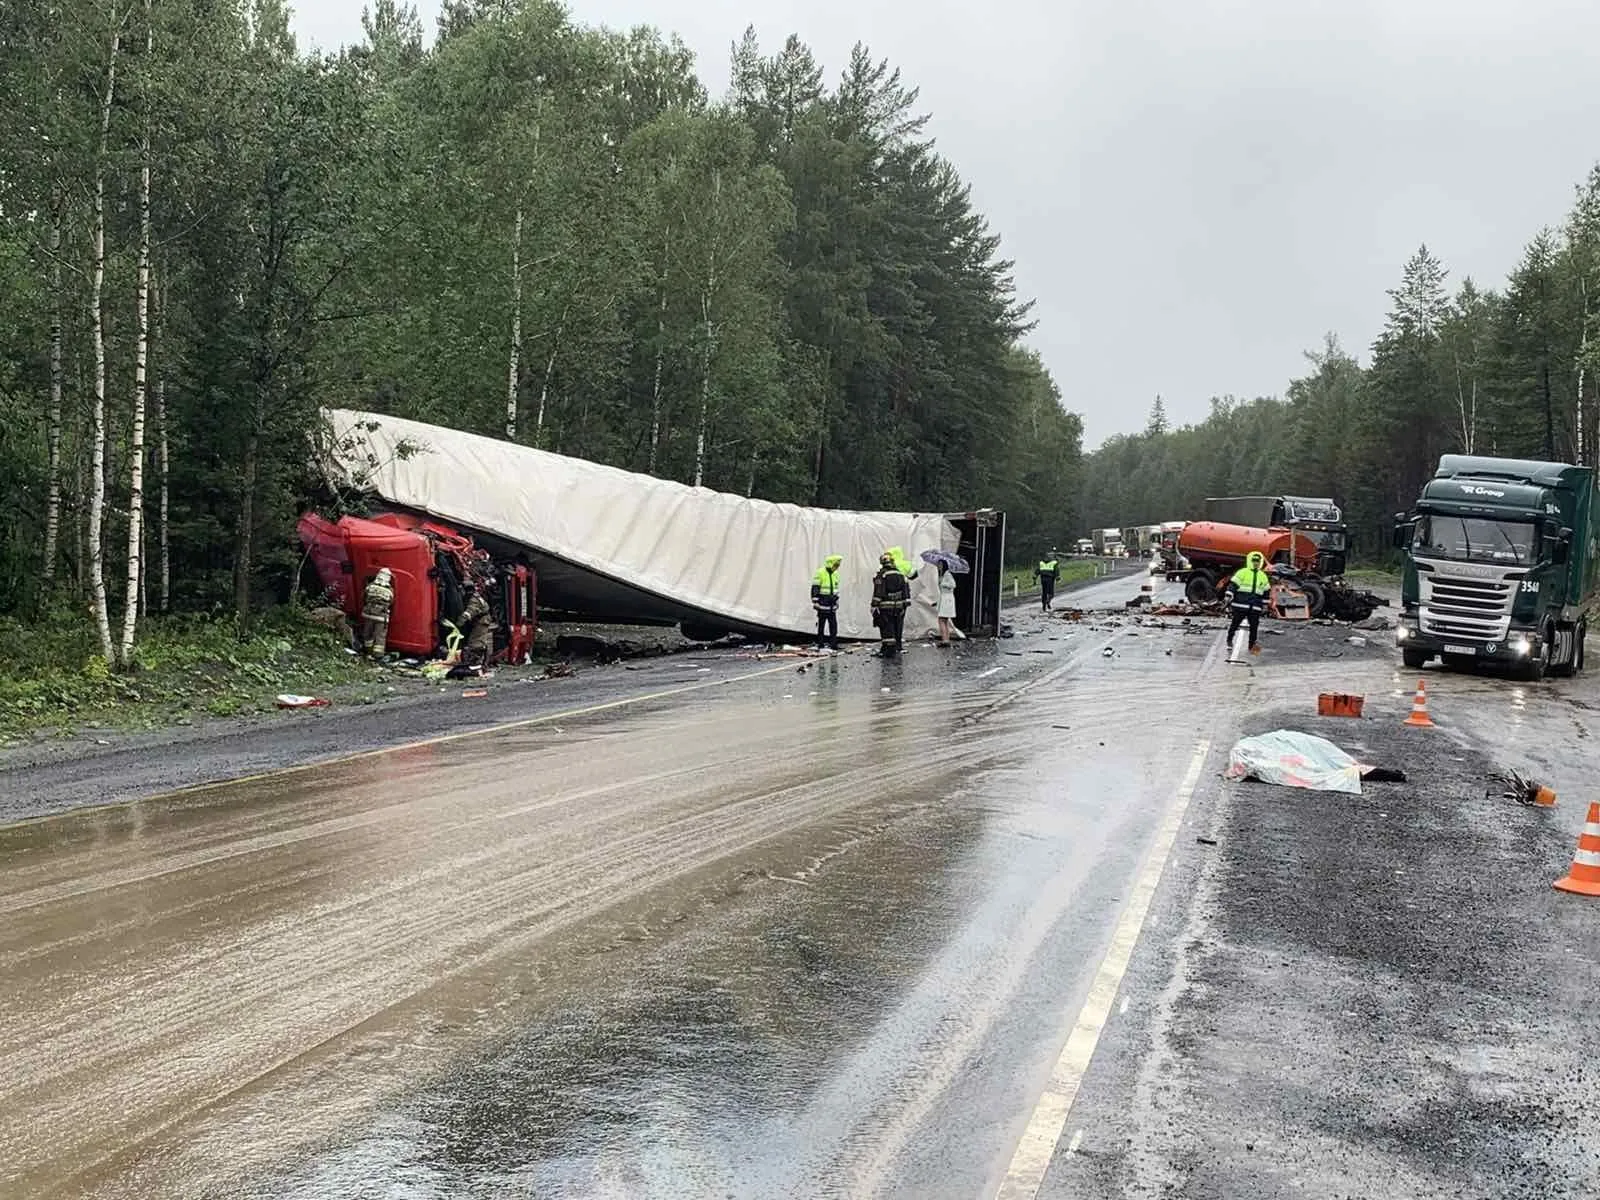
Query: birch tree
141,361
52,518
97,422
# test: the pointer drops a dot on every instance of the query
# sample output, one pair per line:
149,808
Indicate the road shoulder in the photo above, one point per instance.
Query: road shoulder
1375,995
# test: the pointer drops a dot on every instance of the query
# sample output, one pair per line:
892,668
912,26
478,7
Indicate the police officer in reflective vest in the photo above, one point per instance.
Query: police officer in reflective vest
825,600
1047,572
1247,595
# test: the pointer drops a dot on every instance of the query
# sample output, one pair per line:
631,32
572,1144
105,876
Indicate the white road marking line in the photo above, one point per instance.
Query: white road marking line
989,672
1077,1140
1122,1009
1043,1133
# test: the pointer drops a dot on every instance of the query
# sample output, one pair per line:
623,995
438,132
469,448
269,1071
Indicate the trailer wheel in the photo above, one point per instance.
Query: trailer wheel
1201,588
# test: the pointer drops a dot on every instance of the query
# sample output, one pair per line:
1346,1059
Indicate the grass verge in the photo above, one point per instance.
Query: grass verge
53,680
1073,571
1374,577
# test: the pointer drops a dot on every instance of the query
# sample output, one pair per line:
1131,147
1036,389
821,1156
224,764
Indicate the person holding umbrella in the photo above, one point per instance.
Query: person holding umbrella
947,604
950,565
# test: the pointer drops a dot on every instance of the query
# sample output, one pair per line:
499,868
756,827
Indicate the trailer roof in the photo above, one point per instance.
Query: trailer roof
748,562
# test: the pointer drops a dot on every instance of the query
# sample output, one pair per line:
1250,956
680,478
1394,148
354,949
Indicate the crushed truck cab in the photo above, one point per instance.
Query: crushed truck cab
1500,561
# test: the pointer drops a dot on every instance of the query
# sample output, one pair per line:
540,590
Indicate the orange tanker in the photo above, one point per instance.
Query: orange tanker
1215,545
1211,551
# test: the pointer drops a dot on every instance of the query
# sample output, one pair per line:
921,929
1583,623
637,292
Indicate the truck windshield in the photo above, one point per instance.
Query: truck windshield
1325,539
1477,540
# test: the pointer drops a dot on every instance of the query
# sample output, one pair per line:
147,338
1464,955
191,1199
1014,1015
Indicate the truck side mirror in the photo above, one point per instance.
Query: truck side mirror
1562,548
1403,529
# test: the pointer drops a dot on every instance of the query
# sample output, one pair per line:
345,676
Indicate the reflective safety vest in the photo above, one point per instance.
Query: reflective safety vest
1047,567
826,582
1250,587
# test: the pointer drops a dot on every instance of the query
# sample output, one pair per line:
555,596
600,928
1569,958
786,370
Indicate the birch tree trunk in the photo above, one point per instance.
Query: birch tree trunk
661,354
163,459
97,423
52,516
549,371
710,332
141,364
1467,422
1583,362
516,330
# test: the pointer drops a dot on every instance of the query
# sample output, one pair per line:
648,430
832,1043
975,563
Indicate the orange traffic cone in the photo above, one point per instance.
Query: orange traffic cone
1419,708
1584,878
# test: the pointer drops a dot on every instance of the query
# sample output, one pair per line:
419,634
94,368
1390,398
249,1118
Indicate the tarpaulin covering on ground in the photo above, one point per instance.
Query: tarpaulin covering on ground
610,541
1294,759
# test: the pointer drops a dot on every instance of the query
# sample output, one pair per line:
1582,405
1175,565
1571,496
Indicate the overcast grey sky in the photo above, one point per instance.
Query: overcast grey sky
1194,191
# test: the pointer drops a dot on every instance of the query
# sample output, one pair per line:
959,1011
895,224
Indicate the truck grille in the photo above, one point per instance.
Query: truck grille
1471,610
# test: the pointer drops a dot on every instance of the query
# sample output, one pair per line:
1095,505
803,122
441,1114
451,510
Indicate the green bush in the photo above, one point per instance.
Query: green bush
52,673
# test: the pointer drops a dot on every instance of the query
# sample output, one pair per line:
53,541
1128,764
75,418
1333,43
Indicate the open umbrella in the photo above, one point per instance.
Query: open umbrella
954,561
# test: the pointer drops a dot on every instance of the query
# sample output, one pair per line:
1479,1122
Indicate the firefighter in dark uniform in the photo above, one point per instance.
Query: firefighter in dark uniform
891,596
377,606
477,624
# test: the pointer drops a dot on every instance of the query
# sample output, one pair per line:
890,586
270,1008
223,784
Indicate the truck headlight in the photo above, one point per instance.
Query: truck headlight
1519,644
1402,632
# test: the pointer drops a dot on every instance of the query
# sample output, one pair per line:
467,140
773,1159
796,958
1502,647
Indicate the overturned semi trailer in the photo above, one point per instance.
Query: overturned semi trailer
612,545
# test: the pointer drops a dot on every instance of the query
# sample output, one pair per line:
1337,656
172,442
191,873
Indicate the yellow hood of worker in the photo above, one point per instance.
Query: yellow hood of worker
1255,560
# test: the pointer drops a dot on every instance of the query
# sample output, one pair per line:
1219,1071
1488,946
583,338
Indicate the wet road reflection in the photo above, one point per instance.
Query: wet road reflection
806,938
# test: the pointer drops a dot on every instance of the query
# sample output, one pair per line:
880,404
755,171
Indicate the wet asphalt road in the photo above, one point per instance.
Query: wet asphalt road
819,933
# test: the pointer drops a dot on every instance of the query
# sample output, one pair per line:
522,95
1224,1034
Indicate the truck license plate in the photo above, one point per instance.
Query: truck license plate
1460,649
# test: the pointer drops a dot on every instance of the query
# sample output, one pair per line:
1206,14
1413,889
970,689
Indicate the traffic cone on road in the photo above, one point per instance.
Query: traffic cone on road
1419,708
1584,878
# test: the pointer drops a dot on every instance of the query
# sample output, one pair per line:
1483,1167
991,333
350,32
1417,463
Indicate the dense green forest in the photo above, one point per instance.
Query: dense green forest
1511,372
521,227
551,233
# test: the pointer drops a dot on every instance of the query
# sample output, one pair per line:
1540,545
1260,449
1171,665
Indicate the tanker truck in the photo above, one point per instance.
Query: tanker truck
1317,517
1500,566
1213,551
1205,553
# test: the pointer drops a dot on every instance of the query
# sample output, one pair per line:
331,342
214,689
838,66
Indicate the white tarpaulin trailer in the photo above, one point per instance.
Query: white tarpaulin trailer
612,544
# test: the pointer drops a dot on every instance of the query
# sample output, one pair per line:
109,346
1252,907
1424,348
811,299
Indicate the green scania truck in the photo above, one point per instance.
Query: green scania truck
1500,565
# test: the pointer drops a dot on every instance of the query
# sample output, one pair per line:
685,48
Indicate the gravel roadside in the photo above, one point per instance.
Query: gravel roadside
1364,996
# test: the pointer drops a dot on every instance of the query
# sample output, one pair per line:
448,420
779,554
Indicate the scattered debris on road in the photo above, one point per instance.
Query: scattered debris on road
1339,704
1526,791
287,700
